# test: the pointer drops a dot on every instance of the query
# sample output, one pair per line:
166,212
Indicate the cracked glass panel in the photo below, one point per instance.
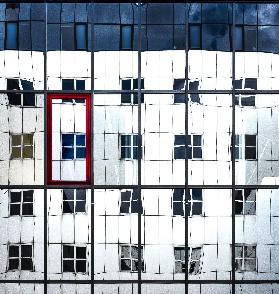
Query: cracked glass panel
255,246
209,140
69,238
115,140
21,138
209,236
163,139
116,236
22,247
256,148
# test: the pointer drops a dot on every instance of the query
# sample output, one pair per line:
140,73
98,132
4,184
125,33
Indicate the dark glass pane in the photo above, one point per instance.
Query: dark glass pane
67,153
197,194
197,208
28,196
179,152
81,152
125,140
179,140
13,264
125,264
250,140
13,251
68,251
197,152
126,84
126,98
81,39
126,37
238,207
27,85
195,37
179,98
15,209
67,32
238,84
28,99
239,38
178,194
178,208
196,140
248,101
126,196
68,266
15,197
81,194
124,207
135,153
81,252
26,264
68,206
80,206
12,84
26,250
80,85
250,153
68,194
68,84
238,195
14,99
125,152
11,35
27,209
81,266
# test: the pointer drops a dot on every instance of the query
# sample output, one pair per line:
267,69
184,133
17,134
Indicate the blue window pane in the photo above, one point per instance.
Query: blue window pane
197,140
195,37
67,140
27,85
239,38
126,37
67,153
11,35
81,37
81,152
67,84
126,140
80,85
80,140
197,194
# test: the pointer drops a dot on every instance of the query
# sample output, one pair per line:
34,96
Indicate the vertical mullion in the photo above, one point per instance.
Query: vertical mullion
186,144
139,148
45,155
233,149
92,149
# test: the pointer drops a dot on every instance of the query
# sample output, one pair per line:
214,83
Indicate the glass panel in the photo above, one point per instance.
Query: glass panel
115,235
22,248
27,288
69,235
162,289
210,289
69,288
116,288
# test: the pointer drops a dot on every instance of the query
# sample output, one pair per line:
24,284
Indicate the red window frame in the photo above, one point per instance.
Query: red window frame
87,98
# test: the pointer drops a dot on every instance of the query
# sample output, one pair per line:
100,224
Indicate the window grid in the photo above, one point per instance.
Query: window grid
22,146
20,257
233,186
74,201
245,258
21,203
75,259
129,258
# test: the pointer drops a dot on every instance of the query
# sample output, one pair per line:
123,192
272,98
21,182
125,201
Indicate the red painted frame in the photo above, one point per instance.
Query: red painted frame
87,98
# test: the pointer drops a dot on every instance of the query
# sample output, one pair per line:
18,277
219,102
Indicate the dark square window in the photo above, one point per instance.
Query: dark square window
68,266
68,84
80,85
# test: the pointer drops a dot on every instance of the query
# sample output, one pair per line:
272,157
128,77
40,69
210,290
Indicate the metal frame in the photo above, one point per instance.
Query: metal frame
233,186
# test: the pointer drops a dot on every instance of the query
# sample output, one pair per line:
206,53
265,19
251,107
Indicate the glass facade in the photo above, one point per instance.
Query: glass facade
139,148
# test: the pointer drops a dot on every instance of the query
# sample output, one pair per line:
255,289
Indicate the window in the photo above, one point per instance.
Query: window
194,36
245,84
74,200
74,259
81,36
194,86
129,146
20,257
73,84
129,202
73,146
245,258
22,146
21,202
245,202
128,85
126,37
194,202
194,260
25,99
239,38
246,147
11,35
12,5
194,147
179,84
129,258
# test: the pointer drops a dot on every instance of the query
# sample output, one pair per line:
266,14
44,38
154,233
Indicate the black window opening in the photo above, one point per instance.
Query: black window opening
11,37
74,201
129,258
194,260
129,147
21,203
245,84
17,99
73,85
126,37
246,147
130,202
194,202
128,85
20,257
245,202
195,37
193,150
74,259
